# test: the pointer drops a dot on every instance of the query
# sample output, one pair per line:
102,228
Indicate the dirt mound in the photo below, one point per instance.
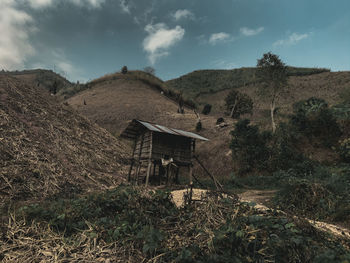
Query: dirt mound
47,149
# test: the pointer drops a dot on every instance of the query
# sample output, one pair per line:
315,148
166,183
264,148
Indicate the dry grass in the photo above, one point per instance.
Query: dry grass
113,103
47,149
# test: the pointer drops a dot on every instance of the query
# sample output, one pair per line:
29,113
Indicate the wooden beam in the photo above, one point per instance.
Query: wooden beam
149,159
132,162
216,182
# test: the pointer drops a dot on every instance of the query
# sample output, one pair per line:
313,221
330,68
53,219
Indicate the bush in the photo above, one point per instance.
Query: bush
199,126
220,120
124,70
344,150
314,119
206,109
238,104
253,150
249,147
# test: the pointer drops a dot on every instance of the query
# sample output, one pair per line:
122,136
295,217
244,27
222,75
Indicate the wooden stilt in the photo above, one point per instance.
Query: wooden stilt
159,174
177,175
132,162
149,159
167,174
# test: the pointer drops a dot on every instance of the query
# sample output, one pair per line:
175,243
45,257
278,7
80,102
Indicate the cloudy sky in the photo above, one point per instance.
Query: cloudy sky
84,39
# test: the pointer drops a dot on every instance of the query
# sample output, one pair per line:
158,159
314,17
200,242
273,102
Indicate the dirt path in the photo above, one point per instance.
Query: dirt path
262,198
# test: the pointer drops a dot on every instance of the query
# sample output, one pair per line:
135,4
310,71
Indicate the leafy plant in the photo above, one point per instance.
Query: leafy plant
238,103
206,109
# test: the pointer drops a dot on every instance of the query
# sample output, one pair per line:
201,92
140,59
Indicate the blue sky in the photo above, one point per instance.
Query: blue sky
85,39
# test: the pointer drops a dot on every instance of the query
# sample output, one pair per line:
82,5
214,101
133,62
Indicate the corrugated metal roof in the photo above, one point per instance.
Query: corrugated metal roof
163,129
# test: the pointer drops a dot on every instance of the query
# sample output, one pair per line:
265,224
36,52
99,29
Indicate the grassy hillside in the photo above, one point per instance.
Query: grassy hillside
202,82
40,78
113,101
147,79
48,150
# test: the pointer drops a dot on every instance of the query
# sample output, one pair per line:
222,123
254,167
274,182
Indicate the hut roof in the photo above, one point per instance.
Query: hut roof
135,127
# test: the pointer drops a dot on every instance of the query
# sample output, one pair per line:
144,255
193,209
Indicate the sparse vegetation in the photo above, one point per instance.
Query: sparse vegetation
200,82
150,70
238,103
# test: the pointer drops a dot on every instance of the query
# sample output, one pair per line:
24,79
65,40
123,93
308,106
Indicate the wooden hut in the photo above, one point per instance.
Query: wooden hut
155,145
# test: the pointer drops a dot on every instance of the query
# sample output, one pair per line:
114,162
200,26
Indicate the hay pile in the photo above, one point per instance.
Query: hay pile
48,150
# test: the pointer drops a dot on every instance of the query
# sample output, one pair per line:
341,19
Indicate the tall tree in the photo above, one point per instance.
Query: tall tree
273,74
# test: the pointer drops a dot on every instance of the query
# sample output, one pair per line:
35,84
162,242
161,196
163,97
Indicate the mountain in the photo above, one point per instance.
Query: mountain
201,82
48,150
41,78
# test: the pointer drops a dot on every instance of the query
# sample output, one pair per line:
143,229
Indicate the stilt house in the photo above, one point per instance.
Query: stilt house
156,145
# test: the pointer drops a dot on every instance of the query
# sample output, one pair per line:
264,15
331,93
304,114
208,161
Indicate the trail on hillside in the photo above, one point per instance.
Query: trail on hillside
261,198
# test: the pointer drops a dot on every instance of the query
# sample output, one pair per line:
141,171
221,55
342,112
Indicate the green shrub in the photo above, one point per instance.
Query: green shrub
344,149
199,126
315,120
238,103
249,147
124,70
206,109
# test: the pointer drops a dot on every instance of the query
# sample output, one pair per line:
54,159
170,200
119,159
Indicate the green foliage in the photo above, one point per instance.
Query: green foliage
199,126
221,230
114,214
72,90
255,151
322,193
249,147
315,120
344,149
206,109
211,81
238,104
124,70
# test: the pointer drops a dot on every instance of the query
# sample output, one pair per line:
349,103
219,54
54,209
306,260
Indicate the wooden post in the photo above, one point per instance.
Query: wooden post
177,175
132,161
154,171
190,175
149,158
159,173
139,157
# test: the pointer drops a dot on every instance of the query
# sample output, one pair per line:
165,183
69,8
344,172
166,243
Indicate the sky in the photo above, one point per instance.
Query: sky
86,39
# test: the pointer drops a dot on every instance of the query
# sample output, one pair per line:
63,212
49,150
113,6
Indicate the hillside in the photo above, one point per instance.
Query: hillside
40,77
113,101
201,82
48,150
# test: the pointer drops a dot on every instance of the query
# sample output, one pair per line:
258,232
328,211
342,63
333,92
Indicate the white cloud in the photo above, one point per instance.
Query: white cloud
15,26
183,14
160,39
88,3
219,37
36,4
250,32
292,39
125,6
